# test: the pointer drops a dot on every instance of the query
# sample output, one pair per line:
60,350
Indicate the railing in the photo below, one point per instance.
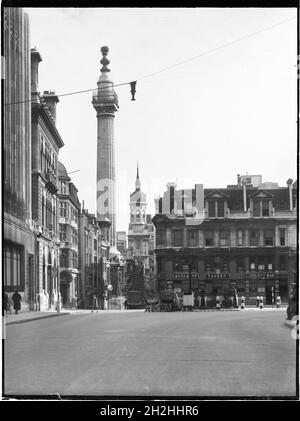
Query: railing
284,214
238,214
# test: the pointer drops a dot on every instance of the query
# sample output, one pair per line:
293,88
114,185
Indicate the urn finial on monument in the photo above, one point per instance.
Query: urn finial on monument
104,61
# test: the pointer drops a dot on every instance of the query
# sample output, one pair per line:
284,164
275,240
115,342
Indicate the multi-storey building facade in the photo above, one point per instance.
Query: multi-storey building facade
240,236
94,265
69,208
141,234
46,142
18,233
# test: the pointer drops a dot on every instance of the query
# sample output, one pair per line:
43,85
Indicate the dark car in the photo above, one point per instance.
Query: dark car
292,307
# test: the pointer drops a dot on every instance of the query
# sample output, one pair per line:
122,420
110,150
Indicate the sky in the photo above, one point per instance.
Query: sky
216,94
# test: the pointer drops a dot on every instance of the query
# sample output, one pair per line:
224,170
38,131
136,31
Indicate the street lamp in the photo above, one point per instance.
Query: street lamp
109,289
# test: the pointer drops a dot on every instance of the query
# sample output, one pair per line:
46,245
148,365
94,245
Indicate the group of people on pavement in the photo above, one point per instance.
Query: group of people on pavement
16,298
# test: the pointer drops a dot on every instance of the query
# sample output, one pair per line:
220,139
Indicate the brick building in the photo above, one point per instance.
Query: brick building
242,236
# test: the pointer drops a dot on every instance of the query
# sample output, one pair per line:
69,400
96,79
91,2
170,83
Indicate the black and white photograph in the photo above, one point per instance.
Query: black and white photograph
150,205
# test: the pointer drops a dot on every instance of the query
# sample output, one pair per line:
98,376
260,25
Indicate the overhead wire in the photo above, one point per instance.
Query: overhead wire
210,51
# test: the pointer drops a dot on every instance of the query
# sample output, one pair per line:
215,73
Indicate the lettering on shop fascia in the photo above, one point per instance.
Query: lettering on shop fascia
217,275
185,275
261,275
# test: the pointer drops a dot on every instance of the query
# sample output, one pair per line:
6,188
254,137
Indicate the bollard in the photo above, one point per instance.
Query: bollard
242,302
278,302
218,302
261,302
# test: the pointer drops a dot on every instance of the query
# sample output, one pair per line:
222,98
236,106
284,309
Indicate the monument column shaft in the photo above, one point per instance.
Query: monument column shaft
105,102
106,178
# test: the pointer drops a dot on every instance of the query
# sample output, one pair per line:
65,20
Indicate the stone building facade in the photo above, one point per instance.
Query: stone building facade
69,209
46,143
240,236
18,230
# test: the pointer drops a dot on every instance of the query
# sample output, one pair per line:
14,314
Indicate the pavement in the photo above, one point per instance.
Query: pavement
137,354
28,316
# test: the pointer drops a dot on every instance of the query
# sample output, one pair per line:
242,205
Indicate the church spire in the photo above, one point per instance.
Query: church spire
137,181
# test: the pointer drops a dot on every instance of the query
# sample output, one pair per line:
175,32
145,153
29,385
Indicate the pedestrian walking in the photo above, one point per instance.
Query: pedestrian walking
5,306
257,301
95,303
16,297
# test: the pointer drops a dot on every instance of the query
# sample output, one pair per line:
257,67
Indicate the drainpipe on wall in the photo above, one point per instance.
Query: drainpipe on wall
244,195
289,183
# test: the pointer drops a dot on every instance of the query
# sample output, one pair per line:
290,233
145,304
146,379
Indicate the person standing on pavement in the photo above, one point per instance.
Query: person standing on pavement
95,303
5,306
16,297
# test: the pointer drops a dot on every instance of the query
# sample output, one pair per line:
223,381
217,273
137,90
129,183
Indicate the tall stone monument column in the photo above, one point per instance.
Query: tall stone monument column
105,102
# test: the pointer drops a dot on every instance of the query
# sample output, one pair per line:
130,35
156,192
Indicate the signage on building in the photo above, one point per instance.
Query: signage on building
261,275
184,275
217,275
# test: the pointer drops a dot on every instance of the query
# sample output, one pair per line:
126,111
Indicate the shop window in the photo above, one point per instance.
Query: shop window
209,238
268,238
12,268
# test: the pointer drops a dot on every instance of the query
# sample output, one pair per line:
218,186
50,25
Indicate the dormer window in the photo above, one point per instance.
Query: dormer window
216,208
261,204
